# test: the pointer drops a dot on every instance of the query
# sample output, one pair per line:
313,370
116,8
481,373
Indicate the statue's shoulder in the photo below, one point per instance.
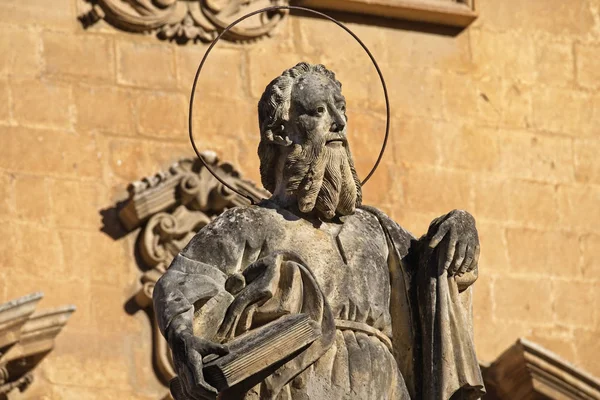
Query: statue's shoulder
397,234
235,225
241,216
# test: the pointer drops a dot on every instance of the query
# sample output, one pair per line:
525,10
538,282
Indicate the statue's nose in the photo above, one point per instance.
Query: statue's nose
338,124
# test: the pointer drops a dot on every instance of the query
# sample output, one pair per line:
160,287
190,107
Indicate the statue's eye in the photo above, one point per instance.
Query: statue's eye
342,107
320,110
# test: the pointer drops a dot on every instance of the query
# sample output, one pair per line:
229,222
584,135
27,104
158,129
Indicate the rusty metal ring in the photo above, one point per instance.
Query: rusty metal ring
275,8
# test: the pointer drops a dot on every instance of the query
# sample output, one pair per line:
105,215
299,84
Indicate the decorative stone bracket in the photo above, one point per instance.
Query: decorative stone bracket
26,337
170,207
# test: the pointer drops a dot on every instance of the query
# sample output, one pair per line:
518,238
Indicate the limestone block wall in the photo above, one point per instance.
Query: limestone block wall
501,119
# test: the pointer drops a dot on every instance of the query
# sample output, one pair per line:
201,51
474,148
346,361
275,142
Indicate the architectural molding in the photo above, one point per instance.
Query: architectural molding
185,20
26,337
528,371
203,20
457,13
170,207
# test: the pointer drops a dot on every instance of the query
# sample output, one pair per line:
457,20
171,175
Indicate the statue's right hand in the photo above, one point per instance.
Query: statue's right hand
188,350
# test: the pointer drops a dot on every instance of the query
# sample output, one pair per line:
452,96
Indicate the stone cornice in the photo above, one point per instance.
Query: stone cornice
528,371
441,12
26,337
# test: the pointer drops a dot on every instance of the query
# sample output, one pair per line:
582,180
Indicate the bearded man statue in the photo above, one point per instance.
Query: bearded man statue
394,311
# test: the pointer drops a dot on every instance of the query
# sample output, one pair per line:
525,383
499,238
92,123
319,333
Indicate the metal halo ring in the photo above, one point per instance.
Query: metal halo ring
275,8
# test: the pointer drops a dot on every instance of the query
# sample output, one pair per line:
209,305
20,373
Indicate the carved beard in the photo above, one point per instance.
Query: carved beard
324,178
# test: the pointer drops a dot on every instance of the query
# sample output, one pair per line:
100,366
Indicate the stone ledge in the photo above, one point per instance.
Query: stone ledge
451,13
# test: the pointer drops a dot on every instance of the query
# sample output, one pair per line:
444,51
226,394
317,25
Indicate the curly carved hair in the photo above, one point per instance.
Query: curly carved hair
273,111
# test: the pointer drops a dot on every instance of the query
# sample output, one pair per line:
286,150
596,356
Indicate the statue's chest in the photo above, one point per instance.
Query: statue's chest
349,260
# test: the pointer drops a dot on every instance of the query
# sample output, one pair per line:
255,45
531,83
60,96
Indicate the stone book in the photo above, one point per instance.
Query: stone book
261,348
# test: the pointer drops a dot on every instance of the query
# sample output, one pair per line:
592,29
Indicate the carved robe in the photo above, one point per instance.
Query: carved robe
394,325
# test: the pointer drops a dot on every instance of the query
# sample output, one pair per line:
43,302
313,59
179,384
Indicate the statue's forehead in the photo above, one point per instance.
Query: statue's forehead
315,87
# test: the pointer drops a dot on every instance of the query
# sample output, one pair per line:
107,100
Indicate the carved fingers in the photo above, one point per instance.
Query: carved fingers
470,261
456,230
188,351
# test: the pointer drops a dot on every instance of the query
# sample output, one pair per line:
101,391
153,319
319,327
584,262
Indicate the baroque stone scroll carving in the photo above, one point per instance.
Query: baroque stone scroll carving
170,207
26,337
184,20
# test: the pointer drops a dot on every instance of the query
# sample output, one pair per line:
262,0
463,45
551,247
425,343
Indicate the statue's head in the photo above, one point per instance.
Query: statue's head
304,152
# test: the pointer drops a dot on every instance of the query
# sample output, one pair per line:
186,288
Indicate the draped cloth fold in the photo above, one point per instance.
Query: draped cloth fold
450,365
277,285
436,352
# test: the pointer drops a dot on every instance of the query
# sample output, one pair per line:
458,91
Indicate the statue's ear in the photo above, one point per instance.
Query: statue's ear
277,135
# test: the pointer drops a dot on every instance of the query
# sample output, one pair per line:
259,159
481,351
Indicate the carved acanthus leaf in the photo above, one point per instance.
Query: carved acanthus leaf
184,20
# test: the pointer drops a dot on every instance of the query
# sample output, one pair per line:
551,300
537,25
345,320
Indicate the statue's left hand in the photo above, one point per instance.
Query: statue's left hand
462,241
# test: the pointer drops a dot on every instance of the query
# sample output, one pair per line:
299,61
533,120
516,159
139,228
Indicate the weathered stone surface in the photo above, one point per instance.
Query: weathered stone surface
43,151
4,101
495,54
587,169
533,203
470,148
80,214
590,247
572,200
576,17
57,15
307,165
221,74
426,190
536,157
42,103
134,61
547,253
577,111
586,341
96,109
494,253
555,63
524,304
492,200
20,54
571,297
31,198
588,66
79,56
516,54
161,115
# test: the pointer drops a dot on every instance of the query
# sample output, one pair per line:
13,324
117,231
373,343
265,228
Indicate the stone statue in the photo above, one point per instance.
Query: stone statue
394,311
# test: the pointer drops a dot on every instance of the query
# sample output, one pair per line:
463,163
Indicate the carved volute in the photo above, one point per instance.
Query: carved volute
185,20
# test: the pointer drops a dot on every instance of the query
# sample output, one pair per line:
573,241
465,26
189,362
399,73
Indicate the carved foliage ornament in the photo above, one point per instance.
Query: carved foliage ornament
184,20
170,207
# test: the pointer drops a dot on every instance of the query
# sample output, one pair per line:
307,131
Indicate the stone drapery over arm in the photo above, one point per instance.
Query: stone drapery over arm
199,273
436,355
224,285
